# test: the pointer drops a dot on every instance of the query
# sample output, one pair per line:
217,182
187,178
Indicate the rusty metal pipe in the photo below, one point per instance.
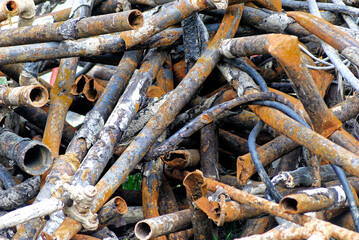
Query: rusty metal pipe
288,55
31,156
313,200
162,225
329,33
139,146
84,139
151,182
27,96
273,208
113,209
181,158
178,11
86,27
120,118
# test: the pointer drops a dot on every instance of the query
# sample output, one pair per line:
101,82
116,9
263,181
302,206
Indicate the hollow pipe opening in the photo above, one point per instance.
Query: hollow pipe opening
289,204
11,6
37,159
135,19
143,230
38,96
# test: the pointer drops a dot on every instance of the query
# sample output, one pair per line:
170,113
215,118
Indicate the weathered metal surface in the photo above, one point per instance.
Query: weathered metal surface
162,225
85,27
273,208
113,209
330,34
28,96
181,159
135,152
32,157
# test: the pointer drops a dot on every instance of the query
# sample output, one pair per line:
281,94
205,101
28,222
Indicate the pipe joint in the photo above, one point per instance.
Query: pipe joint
81,209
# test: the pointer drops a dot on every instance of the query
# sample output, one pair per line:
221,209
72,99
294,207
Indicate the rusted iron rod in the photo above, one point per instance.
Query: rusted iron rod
85,27
151,183
93,123
181,159
323,6
282,145
162,225
27,96
273,209
17,195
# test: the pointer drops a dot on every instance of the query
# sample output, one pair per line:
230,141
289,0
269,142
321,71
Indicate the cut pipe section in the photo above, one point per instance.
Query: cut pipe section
27,96
162,225
31,156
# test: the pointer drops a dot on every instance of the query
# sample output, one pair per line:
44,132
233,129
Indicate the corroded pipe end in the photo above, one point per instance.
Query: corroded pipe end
143,230
37,95
33,157
121,205
10,6
195,184
135,19
182,159
289,205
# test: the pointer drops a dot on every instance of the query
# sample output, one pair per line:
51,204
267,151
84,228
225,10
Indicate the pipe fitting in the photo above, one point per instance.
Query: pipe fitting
81,209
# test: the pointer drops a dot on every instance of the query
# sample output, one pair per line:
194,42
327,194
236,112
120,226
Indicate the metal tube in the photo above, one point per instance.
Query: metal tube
29,212
86,27
273,208
162,225
28,96
31,156
313,200
154,128
113,209
181,158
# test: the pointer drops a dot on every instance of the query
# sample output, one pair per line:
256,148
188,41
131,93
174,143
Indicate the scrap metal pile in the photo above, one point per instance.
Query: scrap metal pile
197,115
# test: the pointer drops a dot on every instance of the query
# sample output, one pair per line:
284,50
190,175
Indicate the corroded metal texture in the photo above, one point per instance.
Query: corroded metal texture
312,200
85,27
32,157
162,225
273,208
182,158
139,146
28,96
329,33
127,106
114,208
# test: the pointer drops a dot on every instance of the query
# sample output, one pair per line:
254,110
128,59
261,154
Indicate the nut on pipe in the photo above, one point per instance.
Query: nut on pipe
28,96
